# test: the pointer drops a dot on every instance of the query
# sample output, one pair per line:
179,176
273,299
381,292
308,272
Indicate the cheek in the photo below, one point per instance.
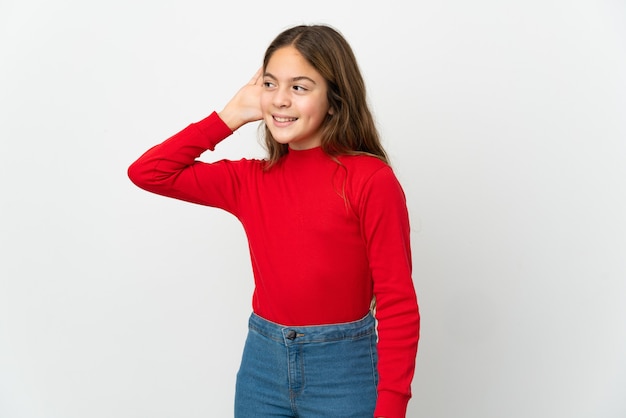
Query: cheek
319,107
319,112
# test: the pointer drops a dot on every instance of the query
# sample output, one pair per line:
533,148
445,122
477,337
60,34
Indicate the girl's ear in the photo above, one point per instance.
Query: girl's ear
331,111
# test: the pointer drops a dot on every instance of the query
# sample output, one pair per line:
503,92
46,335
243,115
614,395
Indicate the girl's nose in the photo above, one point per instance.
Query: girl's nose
281,98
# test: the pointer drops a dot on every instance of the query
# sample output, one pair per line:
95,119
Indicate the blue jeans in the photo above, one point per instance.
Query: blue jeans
308,372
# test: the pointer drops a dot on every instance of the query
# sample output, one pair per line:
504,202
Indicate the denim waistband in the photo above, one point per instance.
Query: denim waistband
313,333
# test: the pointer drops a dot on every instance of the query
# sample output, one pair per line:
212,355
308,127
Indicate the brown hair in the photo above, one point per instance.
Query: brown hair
350,129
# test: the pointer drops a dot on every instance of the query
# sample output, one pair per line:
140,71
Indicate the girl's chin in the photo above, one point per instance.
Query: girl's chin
283,141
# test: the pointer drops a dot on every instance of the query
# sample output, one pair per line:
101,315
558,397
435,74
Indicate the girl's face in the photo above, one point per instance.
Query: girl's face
294,102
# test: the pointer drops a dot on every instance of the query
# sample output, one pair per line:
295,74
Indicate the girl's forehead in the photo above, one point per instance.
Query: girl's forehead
286,55
289,62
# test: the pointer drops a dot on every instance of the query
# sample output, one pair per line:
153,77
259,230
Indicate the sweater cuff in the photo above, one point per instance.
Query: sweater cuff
213,129
391,405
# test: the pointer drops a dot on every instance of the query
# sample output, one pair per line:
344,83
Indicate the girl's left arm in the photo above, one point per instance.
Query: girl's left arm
385,223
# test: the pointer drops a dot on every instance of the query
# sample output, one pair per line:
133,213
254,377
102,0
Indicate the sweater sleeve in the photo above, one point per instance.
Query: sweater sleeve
171,168
385,225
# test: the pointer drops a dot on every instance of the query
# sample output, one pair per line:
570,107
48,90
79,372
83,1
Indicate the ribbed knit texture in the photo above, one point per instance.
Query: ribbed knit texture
324,237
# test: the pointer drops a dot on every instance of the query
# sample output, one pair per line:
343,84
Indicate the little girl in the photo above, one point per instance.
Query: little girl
328,233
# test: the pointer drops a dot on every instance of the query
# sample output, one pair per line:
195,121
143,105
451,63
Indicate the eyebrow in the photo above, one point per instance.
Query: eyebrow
298,78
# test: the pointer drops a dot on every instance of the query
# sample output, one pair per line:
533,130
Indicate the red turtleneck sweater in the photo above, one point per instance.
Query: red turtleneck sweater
324,237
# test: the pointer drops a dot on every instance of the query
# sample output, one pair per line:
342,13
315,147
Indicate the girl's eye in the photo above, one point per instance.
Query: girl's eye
299,88
268,84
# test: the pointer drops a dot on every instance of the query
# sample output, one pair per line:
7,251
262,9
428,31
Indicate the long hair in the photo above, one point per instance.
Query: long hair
350,129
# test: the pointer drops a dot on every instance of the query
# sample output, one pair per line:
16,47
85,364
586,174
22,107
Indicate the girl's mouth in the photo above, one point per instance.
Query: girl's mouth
282,119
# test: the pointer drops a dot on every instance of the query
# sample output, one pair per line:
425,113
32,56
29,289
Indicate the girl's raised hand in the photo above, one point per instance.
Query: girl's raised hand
245,106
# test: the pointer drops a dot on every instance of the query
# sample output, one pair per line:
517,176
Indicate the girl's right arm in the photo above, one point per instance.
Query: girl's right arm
245,106
172,168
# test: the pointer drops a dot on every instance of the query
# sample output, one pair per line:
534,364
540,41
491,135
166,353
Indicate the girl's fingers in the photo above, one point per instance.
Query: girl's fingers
257,76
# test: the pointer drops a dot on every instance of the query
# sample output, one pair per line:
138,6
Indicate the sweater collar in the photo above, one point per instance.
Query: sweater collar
306,154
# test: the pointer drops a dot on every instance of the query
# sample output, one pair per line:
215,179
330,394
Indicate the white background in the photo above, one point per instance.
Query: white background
505,122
